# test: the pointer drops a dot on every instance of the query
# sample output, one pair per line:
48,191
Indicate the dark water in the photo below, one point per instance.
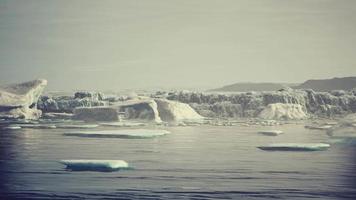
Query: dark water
201,162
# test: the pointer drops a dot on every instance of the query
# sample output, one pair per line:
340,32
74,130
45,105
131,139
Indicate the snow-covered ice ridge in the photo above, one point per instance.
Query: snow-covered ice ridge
95,165
295,147
129,133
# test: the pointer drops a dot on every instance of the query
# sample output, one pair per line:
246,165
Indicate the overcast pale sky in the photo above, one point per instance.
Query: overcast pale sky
182,43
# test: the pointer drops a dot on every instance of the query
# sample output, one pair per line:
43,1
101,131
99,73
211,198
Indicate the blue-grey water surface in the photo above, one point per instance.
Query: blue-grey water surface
197,162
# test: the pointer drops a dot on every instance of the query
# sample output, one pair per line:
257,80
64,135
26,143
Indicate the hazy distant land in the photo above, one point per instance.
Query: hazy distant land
320,85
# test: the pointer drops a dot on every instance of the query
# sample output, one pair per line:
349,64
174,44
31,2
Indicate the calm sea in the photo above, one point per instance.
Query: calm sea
197,162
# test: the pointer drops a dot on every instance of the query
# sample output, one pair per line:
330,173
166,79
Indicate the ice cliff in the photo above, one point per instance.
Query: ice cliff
182,105
251,104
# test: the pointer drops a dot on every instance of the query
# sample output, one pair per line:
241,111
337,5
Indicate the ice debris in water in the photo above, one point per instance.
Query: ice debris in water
324,127
295,147
129,133
11,127
69,126
271,132
39,126
95,165
123,124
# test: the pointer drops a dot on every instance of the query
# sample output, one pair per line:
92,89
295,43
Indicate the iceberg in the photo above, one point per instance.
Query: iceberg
19,101
176,111
295,147
95,165
271,132
129,133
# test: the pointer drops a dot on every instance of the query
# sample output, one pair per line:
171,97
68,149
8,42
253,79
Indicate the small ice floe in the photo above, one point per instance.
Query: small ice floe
271,132
11,127
123,124
95,165
83,126
295,147
39,126
129,133
324,127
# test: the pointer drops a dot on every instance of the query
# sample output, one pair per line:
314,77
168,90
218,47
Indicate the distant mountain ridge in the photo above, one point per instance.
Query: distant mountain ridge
322,85
246,87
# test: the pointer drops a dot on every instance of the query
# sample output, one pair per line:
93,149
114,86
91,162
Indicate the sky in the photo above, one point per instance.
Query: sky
115,45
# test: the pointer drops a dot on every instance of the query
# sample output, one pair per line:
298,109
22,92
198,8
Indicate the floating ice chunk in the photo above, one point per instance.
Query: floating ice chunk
129,133
11,127
295,147
325,127
123,124
95,165
40,126
271,132
77,126
331,123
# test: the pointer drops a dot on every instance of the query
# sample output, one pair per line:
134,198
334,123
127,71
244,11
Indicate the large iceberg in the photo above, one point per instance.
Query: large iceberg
176,111
20,100
295,147
95,165
67,104
129,133
283,111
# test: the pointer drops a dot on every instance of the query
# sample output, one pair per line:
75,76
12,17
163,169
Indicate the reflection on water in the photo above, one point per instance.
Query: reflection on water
200,162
